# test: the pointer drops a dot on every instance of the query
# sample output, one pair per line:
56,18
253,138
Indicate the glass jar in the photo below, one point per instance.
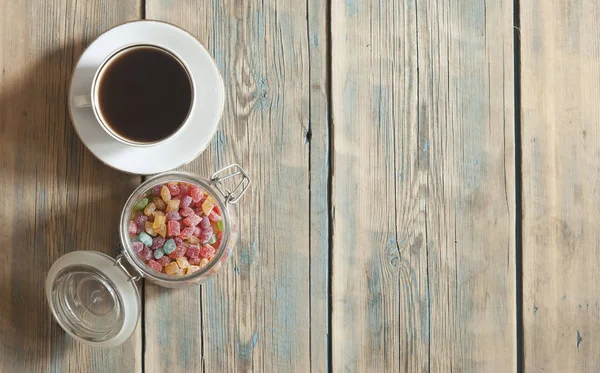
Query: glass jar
95,298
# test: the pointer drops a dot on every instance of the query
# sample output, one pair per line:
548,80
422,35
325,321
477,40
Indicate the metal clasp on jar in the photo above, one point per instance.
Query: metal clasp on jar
131,278
231,196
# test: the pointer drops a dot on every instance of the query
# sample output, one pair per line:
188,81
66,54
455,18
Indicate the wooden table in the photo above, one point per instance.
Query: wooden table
425,193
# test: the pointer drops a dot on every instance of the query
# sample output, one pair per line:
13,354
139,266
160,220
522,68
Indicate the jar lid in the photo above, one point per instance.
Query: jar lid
93,299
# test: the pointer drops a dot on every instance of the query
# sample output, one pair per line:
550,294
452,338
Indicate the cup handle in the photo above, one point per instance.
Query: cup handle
82,101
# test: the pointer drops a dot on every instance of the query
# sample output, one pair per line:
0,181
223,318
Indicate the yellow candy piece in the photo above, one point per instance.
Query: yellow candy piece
148,228
183,262
172,268
159,203
149,209
192,269
159,220
193,240
207,207
158,213
173,205
165,193
203,263
162,230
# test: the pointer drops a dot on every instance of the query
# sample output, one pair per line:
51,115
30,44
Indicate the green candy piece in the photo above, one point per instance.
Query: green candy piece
220,225
169,246
145,239
141,204
158,253
212,240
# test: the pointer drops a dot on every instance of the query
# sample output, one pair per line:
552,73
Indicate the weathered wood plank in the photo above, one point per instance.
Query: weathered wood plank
423,245
561,167
256,314
56,197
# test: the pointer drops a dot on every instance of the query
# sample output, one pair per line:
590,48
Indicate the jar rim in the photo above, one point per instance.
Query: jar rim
163,178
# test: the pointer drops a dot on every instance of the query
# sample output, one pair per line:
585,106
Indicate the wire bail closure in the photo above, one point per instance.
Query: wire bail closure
231,196
118,262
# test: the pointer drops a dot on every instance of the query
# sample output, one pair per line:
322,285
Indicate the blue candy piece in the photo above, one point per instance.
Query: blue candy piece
169,246
158,253
146,239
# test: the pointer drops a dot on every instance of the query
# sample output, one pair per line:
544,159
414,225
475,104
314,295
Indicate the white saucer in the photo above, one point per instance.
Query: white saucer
191,140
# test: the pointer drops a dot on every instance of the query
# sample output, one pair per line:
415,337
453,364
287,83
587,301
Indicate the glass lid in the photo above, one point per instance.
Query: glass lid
93,299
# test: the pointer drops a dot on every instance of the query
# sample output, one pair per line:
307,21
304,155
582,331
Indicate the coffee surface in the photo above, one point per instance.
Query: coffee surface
144,94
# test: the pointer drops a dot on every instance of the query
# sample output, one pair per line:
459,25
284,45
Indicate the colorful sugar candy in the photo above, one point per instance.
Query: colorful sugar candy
176,228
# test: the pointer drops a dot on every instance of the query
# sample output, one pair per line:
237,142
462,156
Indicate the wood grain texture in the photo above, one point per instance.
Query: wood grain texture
257,314
560,82
423,189
56,197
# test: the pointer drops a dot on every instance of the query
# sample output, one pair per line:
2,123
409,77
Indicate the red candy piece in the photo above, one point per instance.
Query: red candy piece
193,251
196,194
186,233
173,188
184,189
186,201
192,220
213,216
154,265
164,260
217,210
173,228
178,252
186,211
207,251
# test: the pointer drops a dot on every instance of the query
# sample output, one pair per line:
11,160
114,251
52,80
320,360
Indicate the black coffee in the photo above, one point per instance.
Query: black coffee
144,94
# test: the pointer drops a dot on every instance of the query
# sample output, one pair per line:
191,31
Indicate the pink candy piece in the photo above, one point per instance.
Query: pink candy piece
213,216
186,211
186,201
192,220
186,233
137,247
164,260
145,254
196,194
194,261
140,219
193,251
157,242
206,234
178,241
132,228
197,231
179,252
155,265
173,215
173,188
205,223
173,228
156,190
207,251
